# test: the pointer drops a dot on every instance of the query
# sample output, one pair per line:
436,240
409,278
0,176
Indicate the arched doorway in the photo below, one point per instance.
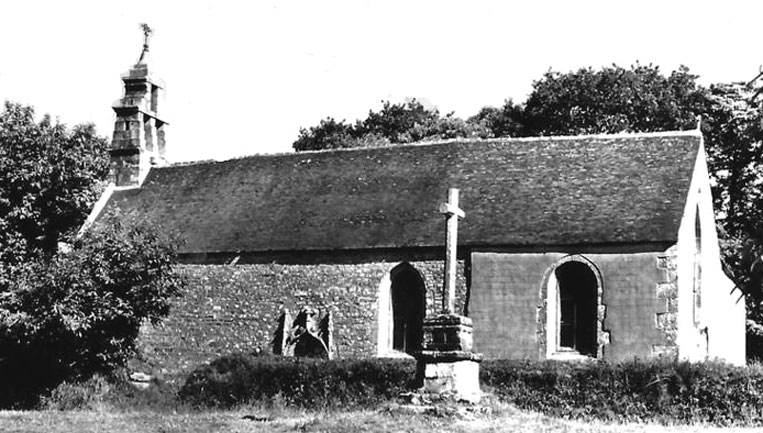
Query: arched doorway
571,318
408,296
577,308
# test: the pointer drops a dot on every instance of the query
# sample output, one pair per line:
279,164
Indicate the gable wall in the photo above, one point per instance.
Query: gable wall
229,308
506,303
711,323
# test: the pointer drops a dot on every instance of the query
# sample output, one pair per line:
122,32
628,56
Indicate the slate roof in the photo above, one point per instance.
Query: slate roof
606,189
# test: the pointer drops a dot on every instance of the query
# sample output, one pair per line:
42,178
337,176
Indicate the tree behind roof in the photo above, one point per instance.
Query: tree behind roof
611,100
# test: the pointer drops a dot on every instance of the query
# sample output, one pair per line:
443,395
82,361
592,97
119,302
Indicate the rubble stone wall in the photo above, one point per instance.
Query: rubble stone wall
230,308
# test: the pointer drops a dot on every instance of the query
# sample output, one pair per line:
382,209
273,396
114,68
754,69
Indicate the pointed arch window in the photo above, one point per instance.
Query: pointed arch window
697,290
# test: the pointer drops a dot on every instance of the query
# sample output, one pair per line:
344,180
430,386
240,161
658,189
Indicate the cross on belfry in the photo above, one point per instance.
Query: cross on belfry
452,214
147,32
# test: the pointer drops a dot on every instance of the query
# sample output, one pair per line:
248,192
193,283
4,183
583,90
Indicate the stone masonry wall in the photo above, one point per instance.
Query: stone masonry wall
666,318
229,308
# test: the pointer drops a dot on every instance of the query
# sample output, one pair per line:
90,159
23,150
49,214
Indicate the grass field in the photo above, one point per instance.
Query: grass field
496,418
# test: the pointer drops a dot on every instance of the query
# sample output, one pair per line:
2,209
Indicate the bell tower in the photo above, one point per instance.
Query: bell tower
139,130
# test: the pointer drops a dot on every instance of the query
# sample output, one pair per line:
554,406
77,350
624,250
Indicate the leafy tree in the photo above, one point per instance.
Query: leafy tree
80,313
507,121
49,178
733,134
448,127
329,134
68,315
398,121
411,122
734,140
395,123
611,100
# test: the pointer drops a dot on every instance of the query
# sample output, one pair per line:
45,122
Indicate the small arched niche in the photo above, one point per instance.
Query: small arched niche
402,307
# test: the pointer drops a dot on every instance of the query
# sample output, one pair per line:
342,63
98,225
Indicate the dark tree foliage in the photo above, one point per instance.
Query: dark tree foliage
68,315
49,178
329,134
407,122
611,100
400,123
79,313
507,121
734,142
733,131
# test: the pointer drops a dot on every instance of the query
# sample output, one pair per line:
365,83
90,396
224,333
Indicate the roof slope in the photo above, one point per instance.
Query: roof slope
515,192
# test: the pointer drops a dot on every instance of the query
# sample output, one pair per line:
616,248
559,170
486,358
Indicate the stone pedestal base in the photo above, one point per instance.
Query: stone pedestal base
447,364
450,374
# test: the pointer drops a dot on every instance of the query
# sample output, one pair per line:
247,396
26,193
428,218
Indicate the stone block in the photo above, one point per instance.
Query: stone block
448,332
666,351
667,291
459,378
672,305
667,321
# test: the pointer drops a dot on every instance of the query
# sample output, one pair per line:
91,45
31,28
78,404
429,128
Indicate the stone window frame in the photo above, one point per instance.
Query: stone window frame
547,325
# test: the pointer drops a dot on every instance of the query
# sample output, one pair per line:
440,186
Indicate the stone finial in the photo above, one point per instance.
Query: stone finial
147,32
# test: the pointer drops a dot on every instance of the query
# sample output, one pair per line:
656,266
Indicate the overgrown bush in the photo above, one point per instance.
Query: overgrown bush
632,391
111,392
75,314
89,394
247,378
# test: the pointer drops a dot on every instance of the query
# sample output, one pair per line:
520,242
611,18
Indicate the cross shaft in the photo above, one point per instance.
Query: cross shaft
452,214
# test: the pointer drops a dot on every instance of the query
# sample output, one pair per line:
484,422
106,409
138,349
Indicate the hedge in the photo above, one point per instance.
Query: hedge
247,378
663,391
657,390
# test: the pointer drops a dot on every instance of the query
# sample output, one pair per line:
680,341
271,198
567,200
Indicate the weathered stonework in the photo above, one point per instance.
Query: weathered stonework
666,318
138,141
228,308
459,378
447,333
446,363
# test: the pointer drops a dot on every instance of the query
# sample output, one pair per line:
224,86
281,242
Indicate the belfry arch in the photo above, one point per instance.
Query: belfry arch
571,299
402,307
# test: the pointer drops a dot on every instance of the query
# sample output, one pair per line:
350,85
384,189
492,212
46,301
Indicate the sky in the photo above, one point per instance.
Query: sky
242,77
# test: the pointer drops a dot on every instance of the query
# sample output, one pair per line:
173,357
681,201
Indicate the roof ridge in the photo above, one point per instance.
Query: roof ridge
624,134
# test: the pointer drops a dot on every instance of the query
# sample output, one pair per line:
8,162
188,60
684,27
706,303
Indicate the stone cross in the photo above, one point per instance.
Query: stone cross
452,214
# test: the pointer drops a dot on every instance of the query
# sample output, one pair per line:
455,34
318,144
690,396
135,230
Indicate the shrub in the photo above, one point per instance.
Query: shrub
111,392
76,314
88,394
632,391
309,383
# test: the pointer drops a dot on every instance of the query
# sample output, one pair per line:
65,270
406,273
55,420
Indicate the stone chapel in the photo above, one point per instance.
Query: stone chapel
598,246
